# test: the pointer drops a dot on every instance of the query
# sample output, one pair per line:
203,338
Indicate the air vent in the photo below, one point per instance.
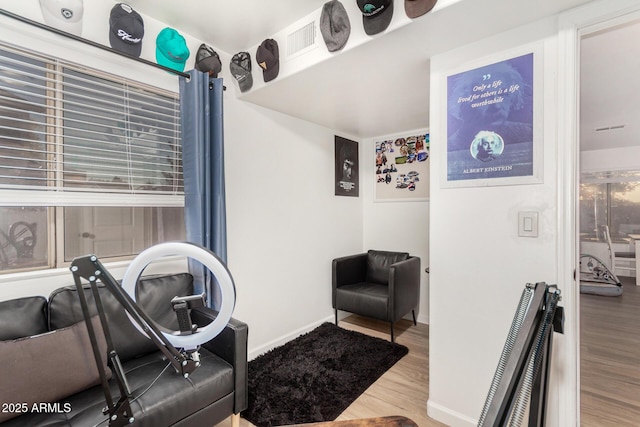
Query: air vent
606,128
301,40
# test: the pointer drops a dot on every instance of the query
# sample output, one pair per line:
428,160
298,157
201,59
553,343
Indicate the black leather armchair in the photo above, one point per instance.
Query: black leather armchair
379,284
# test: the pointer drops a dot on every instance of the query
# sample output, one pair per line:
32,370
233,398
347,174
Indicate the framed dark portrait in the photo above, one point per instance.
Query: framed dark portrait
347,181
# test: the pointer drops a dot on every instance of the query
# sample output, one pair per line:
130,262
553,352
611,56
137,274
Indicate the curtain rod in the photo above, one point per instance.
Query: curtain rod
90,42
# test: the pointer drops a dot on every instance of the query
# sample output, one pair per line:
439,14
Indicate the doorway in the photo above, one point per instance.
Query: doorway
609,194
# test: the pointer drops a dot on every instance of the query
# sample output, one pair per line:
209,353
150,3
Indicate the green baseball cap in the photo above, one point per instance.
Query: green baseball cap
171,49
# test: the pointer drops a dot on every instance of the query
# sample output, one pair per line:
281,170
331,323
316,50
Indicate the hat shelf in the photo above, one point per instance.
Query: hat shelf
89,42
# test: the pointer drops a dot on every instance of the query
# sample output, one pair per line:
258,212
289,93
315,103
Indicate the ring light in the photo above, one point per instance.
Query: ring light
209,260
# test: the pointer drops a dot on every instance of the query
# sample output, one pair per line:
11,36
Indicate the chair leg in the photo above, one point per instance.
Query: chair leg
336,315
413,312
392,337
235,420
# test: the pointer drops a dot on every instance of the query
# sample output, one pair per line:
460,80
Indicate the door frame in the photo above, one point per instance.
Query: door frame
573,25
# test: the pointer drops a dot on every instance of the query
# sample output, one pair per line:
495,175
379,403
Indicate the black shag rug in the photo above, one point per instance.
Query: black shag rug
316,376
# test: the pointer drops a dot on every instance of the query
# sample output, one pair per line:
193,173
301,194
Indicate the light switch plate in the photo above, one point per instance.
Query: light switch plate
528,224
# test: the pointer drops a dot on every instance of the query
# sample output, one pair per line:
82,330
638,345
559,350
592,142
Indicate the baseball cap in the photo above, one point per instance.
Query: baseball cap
267,57
207,60
376,15
334,25
240,67
65,15
171,49
415,8
126,29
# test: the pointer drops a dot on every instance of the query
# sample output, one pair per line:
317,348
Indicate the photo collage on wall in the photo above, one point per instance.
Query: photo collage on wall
402,168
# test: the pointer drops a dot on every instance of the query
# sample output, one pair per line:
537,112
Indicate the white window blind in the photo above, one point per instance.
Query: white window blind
82,134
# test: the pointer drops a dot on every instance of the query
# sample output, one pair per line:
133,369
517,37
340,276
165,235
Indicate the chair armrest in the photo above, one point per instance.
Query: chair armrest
404,286
230,345
347,270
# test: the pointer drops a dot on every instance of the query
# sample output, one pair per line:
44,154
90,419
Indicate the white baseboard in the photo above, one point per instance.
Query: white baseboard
423,319
448,416
253,353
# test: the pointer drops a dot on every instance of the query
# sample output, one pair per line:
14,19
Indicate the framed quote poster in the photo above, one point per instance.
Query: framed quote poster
402,168
494,124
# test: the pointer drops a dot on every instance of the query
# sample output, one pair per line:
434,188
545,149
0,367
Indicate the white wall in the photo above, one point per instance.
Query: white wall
479,265
284,222
396,225
471,309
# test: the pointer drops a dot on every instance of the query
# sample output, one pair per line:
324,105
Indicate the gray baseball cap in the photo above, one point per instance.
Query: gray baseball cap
240,67
334,25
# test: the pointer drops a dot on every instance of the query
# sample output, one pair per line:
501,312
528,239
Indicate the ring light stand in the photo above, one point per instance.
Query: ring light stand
209,260
180,348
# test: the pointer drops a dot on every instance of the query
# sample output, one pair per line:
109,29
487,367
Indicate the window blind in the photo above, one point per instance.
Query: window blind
69,129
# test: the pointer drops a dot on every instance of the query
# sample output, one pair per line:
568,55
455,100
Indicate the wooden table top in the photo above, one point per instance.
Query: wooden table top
392,421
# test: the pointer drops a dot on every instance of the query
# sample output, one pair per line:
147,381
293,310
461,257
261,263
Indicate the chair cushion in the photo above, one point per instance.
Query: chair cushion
48,367
23,317
172,396
367,299
162,396
154,296
378,263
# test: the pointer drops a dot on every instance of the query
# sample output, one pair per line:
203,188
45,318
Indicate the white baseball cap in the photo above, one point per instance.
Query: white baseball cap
65,15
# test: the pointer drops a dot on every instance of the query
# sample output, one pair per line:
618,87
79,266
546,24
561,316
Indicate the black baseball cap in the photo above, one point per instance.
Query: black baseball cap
126,29
207,60
376,15
268,58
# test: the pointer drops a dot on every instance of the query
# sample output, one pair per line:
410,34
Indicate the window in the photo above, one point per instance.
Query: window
89,163
612,199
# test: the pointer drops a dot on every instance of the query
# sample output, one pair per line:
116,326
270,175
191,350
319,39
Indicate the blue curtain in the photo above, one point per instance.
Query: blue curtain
203,166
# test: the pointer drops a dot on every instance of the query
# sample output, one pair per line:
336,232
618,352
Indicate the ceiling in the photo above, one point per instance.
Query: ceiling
381,87
609,85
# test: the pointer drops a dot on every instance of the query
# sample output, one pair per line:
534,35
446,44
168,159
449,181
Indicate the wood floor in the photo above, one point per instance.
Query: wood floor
403,389
610,358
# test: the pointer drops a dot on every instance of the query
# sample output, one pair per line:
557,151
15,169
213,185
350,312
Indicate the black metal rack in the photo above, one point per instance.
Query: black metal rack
184,363
526,359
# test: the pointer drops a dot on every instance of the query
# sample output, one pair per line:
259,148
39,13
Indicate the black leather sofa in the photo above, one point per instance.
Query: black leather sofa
51,379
